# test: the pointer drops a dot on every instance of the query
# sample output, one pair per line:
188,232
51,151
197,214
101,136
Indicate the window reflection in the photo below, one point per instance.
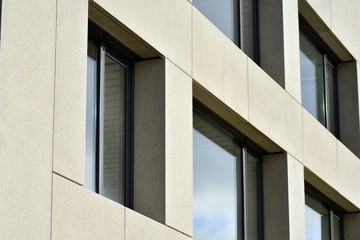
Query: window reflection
215,184
221,13
312,90
226,184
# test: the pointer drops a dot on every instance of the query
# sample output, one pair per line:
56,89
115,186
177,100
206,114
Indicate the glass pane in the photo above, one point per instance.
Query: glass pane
220,13
335,227
251,197
330,96
312,86
90,149
215,183
317,219
113,128
247,27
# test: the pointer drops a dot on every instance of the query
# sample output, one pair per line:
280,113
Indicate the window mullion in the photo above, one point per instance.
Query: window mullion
101,120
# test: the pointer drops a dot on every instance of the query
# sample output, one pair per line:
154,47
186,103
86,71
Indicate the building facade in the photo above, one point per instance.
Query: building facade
181,119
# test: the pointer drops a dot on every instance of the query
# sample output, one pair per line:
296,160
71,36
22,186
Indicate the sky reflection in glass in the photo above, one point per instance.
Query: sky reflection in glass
215,196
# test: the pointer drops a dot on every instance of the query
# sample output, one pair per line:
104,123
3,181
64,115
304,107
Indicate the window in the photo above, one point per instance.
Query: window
235,18
318,80
324,220
226,198
108,118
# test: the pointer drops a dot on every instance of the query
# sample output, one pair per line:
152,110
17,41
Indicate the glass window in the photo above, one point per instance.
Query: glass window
108,78
235,18
318,85
226,199
322,223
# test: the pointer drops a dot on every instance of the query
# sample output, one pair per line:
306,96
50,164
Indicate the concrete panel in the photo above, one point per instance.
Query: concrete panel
291,49
296,198
274,112
219,65
233,119
322,9
320,154
284,210
271,40
178,154
348,174
279,43
83,215
163,140
149,139
345,21
120,32
27,63
351,226
139,227
348,97
70,89
166,25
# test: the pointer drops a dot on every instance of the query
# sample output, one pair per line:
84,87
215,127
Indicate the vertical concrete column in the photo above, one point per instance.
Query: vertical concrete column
163,144
349,117
279,43
27,67
351,226
70,89
284,201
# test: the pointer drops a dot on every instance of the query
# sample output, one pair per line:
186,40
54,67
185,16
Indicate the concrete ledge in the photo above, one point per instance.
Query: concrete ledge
82,215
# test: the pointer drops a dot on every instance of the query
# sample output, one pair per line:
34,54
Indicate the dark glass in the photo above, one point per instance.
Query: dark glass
221,13
112,172
312,79
215,182
330,96
251,197
317,219
90,150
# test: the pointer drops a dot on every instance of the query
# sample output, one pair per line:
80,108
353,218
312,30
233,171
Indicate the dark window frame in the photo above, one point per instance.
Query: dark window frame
245,145
333,59
332,207
0,16
126,58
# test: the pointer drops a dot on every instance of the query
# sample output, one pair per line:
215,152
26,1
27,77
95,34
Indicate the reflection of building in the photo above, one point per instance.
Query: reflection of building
106,95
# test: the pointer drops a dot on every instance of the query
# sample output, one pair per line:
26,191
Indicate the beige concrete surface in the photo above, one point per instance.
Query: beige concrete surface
79,214
323,9
149,139
27,62
284,212
70,89
320,151
277,115
348,174
139,227
219,65
178,153
120,32
345,20
163,140
296,198
291,49
166,25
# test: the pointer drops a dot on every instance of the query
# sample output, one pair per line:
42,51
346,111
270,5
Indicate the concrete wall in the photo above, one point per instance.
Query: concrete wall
42,116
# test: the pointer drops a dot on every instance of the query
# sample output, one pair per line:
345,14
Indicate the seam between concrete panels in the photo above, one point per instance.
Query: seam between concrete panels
68,179
53,127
